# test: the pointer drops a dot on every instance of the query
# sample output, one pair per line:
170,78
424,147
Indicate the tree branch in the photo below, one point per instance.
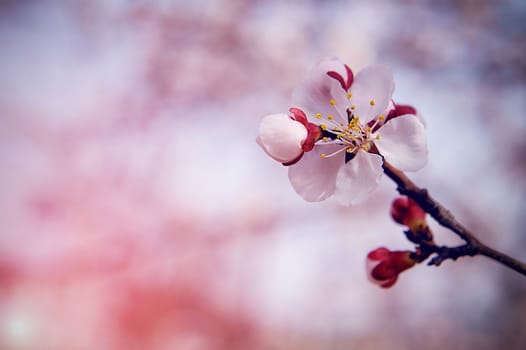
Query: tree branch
444,217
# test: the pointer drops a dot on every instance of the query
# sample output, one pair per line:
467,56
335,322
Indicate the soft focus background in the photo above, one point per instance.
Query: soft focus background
137,212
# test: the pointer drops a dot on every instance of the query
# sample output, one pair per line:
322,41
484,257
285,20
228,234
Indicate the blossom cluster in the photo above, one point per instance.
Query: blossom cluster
340,131
383,265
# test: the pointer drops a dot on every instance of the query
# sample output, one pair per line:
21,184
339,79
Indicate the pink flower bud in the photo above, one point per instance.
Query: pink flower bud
384,266
282,137
407,212
285,138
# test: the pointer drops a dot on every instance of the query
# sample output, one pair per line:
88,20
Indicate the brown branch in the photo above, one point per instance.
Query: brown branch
444,217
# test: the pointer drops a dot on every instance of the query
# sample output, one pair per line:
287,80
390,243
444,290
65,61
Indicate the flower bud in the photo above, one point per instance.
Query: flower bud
384,266
407,212
282,137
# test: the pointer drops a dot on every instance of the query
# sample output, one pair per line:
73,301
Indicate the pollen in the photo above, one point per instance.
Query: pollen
332,102
353,107
349,95
378,136
381,117
365,147
369,129
318,115
325,139
323,126
330,117
349,150
323,155
372,103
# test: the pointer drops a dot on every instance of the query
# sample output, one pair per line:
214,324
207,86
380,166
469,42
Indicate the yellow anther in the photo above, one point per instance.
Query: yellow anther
372,103
381,117
365,147
349,150
330,117
378,136
318,115
349,95
336,128
353,138
323,126
323,155
353,107
332,102
325,139
369,128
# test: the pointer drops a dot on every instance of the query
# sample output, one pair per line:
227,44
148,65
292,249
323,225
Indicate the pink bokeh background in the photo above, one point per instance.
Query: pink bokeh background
137,212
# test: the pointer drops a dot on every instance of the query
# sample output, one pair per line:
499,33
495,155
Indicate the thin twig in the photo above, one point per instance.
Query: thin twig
444,217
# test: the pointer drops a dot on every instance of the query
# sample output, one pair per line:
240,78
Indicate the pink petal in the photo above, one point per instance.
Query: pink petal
403,143
313,177
369,267
314,93
358,178
281,137
374,83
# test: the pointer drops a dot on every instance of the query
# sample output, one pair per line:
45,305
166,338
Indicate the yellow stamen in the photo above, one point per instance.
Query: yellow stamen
323,155
318,115
353,107
330,117
349,150
325,139
381,117
372,103
332,102
378,136
349,95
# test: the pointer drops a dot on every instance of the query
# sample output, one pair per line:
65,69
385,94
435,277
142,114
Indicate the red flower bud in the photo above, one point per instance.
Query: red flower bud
407,212
384,266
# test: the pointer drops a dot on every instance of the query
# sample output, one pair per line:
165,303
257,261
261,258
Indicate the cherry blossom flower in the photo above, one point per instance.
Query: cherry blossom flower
358,127
383,266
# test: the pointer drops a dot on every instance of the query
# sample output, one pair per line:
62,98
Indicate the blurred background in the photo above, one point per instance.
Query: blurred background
137,212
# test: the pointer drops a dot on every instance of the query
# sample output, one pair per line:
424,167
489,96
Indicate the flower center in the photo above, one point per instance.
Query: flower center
352,136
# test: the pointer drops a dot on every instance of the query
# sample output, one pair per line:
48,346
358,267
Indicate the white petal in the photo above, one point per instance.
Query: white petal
403,143
314,93
281,137
358,177
421,119
313,177
374,83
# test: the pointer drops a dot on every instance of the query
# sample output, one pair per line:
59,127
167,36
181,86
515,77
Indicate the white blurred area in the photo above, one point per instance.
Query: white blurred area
137,212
